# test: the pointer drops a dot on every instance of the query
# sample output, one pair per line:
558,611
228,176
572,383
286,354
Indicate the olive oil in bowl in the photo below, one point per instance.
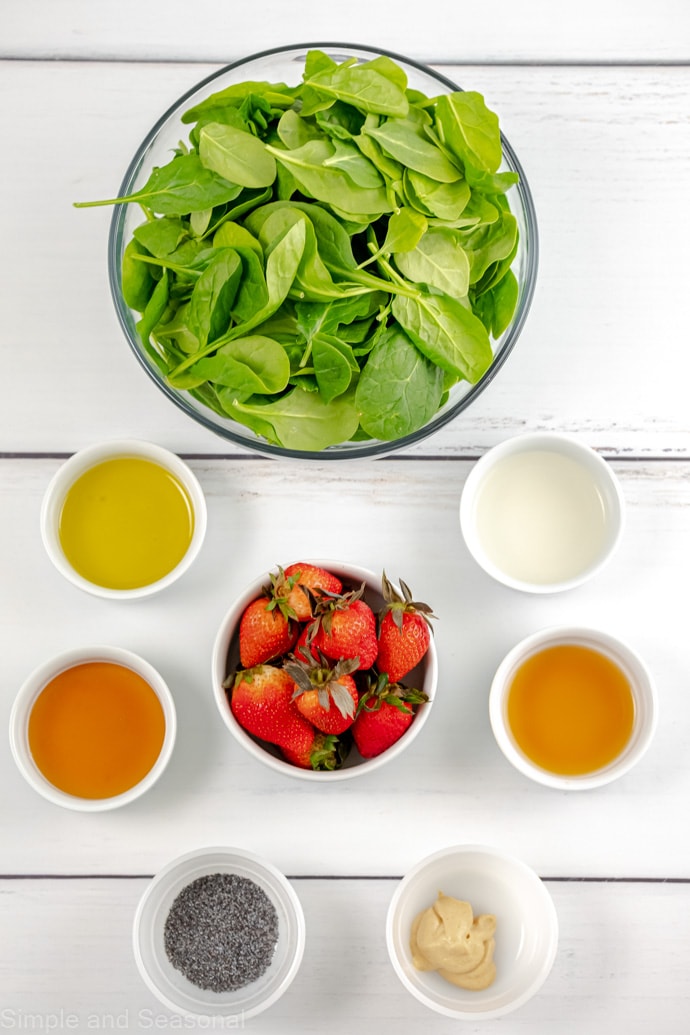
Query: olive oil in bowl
123,519
126,523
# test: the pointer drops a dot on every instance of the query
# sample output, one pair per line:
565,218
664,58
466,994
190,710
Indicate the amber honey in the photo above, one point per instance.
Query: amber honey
96,729
570,709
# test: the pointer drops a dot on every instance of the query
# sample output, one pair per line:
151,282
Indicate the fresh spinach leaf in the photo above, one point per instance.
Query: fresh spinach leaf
312,166
161,236
182,186
446,333
405,141
152,315
446,201
303,420
334,365
253,365
399,389
362,86
469,129
138,280
237,156
404,231
278,95
213,295
438,261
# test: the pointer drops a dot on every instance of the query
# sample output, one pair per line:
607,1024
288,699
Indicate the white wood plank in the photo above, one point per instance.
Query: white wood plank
604,351
453,783
621,965
441,30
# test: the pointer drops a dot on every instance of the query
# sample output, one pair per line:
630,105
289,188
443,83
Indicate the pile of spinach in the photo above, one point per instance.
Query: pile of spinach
322,262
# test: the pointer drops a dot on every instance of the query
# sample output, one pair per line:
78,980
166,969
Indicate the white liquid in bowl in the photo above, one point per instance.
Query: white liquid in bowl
540,517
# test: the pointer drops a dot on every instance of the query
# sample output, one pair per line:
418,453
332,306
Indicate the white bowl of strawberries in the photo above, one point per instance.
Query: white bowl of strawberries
323,670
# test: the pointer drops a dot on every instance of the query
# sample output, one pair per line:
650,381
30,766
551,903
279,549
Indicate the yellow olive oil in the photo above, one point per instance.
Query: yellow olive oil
126,523
570,709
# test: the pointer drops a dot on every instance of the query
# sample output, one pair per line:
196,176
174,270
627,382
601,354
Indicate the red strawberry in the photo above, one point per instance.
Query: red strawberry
325,694
268,628
404,632
261,701
302,647
346,628
385,712
313,750
305,579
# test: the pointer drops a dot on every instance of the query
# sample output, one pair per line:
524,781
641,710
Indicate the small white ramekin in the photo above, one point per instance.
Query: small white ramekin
526,928
641,685
603,482
170,986
35,683
83,461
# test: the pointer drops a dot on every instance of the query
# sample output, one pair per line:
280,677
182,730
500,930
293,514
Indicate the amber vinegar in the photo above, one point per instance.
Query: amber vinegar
570,709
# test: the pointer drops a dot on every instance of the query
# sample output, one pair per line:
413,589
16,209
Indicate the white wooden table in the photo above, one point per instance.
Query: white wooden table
595,101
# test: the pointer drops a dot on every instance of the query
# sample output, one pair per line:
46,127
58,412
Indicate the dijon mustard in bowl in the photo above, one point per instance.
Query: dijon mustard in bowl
123,519
472,932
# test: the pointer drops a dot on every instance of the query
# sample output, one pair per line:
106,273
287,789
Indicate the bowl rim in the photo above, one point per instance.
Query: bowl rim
617,650
250,744
550,916
371,448
92,455
175,868
548,441
34,684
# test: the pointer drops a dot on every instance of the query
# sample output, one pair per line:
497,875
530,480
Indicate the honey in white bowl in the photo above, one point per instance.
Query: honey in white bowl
96,730
570,709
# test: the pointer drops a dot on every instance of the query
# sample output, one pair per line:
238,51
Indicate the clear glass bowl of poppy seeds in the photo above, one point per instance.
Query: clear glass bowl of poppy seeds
219,932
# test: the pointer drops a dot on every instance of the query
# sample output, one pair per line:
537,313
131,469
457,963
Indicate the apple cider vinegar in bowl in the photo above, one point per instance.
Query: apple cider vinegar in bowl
572,708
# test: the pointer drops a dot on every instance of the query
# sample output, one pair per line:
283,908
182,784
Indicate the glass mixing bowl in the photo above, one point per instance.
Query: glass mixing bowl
286,65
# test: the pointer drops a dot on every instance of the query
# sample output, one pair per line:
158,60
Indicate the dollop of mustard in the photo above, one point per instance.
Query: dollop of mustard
447,937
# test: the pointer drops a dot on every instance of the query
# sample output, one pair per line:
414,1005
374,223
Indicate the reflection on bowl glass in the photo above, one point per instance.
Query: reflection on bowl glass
313,296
